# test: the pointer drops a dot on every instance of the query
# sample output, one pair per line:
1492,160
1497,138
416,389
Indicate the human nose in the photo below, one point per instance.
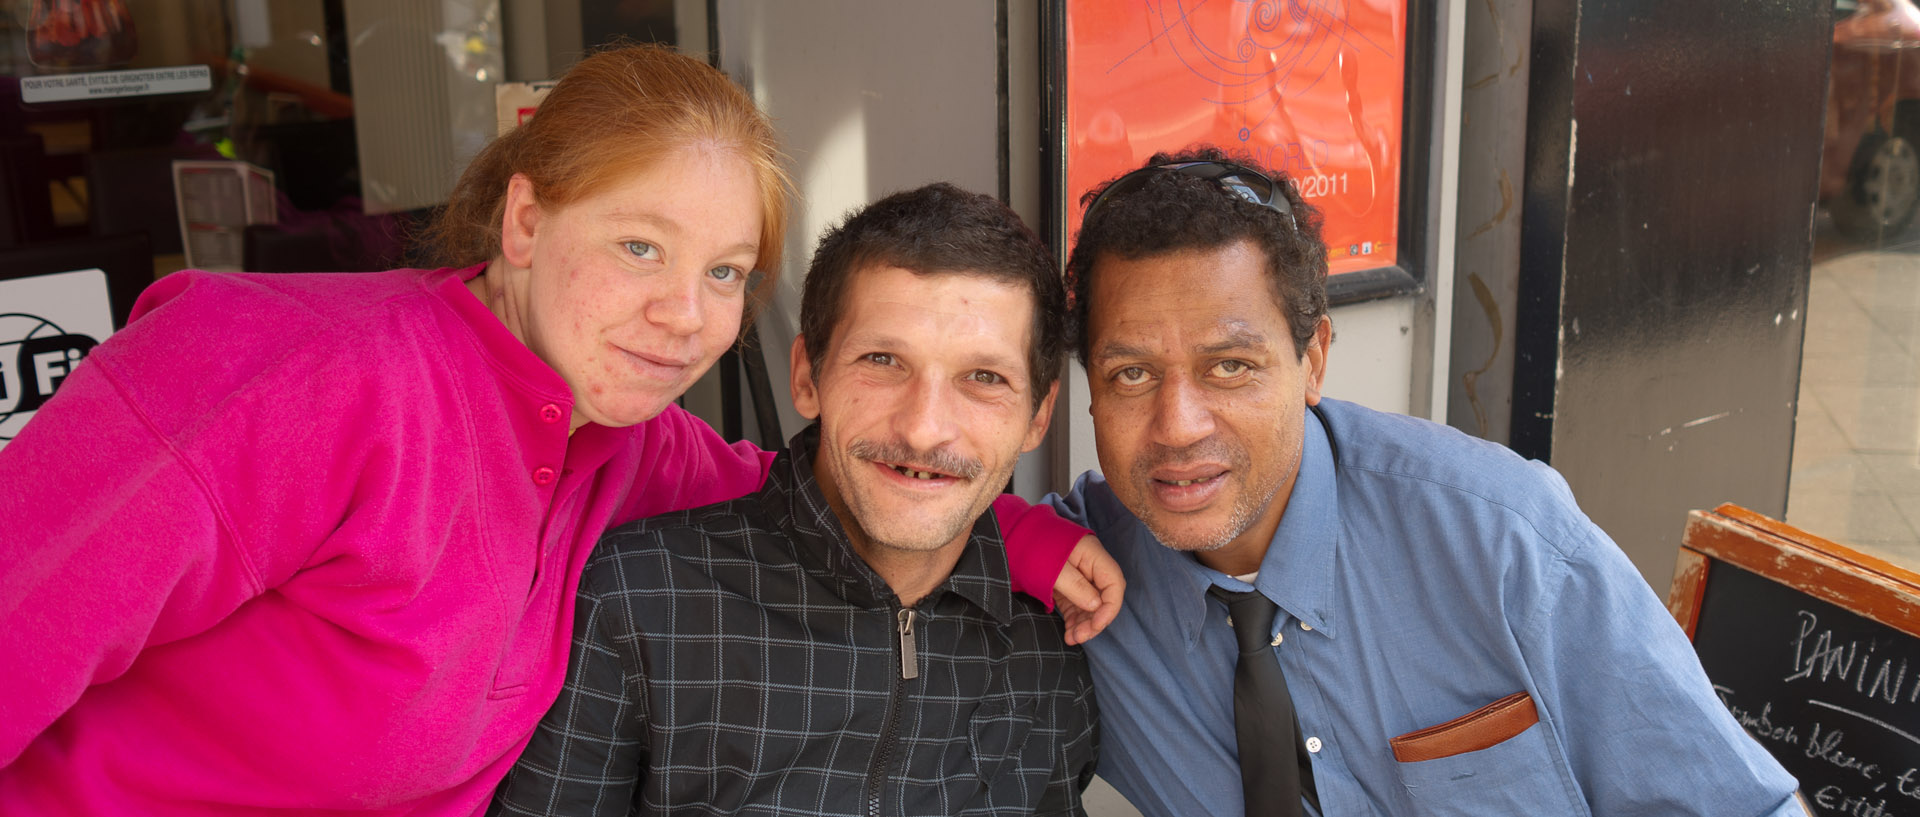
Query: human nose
925,420
675,304
1181,416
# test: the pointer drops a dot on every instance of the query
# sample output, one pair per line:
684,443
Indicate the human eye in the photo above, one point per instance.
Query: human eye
726,274
1231,368
642,250
1130,376
984,377
878,358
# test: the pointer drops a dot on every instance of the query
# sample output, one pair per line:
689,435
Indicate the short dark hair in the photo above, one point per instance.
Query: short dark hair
939,229
1172,211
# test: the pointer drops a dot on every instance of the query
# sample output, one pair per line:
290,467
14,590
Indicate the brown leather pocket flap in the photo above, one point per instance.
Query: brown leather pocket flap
1476,730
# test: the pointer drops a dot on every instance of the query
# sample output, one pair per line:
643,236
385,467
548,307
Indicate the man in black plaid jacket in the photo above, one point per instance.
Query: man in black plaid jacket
845,641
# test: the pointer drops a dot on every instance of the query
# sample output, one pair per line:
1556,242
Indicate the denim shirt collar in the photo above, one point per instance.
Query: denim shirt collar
1297,571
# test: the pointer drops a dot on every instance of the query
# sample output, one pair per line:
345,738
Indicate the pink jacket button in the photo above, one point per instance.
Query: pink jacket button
542,475
550,413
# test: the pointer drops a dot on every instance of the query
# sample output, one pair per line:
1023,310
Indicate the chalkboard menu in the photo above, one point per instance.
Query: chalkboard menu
1813,648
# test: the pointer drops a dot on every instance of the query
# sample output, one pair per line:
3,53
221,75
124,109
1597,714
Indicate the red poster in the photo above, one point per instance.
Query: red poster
1309,87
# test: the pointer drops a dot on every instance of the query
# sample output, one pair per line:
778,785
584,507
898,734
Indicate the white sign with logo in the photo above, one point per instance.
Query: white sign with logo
181,79
48,324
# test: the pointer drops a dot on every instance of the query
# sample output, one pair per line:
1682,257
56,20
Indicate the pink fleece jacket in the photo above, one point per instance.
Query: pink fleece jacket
310,543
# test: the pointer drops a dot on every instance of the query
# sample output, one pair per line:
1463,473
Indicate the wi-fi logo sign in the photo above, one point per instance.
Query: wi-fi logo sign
35,356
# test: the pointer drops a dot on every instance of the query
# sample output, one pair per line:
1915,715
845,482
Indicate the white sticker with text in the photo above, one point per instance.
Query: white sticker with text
102,84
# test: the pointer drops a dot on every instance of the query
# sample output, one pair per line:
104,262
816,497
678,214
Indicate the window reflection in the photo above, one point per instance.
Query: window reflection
1856,456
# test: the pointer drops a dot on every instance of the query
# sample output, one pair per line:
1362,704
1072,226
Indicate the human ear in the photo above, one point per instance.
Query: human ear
519,221
806,398
1316,359
1042,419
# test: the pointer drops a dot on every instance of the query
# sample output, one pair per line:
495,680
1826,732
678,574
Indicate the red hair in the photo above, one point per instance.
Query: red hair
615,113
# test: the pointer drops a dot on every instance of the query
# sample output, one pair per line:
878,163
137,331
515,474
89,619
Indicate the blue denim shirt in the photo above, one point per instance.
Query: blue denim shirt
1421,574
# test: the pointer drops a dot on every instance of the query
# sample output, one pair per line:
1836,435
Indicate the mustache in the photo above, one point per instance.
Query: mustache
1211,449
939,460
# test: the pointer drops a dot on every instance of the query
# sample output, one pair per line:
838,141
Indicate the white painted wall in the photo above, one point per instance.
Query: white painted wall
863,111
1372,359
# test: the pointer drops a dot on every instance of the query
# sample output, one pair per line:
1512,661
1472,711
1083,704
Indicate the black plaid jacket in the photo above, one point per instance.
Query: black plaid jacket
740,658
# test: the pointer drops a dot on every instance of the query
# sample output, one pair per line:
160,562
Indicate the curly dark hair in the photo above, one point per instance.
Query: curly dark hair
939,229
1170,212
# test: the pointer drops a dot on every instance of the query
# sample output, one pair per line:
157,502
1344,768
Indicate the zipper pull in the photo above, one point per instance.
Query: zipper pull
909,654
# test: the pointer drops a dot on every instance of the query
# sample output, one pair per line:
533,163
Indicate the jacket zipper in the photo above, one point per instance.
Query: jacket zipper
909,669
909,652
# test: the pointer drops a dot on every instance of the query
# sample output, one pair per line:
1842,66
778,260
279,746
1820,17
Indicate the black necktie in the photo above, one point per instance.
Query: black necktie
1274,769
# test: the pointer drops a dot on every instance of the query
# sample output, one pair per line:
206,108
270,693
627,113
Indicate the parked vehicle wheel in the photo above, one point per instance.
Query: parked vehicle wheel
1883,188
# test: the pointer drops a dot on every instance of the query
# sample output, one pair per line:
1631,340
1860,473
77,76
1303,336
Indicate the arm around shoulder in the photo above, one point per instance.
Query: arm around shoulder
685,464
1038,543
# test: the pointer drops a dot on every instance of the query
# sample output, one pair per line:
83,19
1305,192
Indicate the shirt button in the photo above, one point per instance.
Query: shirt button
550,413
542,475
1306,626
1277,638
1313,745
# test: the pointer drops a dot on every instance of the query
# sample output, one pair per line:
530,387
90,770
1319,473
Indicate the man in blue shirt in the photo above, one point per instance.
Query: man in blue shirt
1456,636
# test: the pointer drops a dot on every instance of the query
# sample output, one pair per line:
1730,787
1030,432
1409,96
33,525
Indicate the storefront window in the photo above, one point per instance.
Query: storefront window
141,137
1856,453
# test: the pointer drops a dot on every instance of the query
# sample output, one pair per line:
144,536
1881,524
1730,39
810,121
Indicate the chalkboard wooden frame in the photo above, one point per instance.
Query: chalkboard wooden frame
1826,570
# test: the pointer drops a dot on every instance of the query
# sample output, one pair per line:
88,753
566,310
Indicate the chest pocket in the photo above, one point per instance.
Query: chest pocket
998,733
1519,775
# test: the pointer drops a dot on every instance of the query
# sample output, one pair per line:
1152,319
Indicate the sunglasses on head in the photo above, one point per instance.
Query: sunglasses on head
1239,180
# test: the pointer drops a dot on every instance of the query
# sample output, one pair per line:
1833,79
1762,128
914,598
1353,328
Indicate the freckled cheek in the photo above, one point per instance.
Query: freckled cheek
1117,453
1130,443
1127,434
1123,417
1238,424
711,344
1253,414
722,319
569,261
